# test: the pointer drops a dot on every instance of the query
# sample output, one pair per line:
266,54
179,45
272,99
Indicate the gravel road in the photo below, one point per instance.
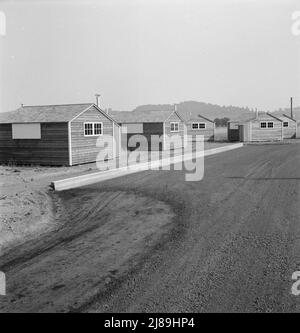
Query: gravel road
153,242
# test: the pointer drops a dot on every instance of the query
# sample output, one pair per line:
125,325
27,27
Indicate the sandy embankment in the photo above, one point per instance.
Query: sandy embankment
26,206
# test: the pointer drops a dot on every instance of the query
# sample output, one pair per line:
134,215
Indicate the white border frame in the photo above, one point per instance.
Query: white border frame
174,122
93,123
198,122
284,123
70,143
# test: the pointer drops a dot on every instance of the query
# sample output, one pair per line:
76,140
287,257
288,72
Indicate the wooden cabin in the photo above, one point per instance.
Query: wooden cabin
56,134
200,126
289,127
152,125
258,127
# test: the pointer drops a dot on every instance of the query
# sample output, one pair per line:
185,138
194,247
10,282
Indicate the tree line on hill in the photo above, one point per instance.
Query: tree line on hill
221,122
220,114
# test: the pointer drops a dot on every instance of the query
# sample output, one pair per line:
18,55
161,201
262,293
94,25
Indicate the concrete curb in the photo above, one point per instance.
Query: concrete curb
74,182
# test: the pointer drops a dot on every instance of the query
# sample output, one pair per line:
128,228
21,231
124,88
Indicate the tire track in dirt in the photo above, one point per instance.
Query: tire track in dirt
237,256
90,252
230,246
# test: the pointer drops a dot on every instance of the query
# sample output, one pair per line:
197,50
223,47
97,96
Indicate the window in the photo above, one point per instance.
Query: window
196,126
285,124
263,125
93,129
97,128
88,129
270,124
26,131
174,127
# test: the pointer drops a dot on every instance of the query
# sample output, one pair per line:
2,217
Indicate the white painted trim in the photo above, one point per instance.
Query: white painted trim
120,141
174,111
174,122
80,113
170,115
99,110
70,143
267,122
106,114
93,128
113,138
164,133
198,122
287,125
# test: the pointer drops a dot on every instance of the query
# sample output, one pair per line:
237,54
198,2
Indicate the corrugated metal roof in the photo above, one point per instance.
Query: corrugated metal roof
44,113
140,116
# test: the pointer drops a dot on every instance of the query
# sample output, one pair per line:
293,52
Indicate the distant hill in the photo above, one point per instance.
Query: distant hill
191,109
296,112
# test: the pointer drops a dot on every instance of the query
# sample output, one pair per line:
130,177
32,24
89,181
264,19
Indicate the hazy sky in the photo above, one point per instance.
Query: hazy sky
133,52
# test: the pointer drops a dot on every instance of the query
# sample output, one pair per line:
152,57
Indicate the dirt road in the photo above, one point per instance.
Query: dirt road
154,242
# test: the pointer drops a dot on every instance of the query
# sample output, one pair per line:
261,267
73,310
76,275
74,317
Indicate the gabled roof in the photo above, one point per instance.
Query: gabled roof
198,118
192,115
286,116
141,116
244,118
47,113
270,114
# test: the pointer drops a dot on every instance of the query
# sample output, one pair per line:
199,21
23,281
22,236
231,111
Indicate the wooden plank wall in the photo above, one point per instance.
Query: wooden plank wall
167,125
266,134
84,149
289,132
51,149
208,132
244,134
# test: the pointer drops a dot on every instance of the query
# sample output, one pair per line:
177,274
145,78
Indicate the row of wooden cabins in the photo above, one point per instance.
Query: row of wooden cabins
262,127
71,134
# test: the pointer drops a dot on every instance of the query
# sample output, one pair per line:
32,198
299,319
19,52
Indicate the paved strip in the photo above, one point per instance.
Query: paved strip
74,182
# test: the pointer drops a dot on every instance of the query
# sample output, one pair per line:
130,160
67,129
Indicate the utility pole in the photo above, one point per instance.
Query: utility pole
292,108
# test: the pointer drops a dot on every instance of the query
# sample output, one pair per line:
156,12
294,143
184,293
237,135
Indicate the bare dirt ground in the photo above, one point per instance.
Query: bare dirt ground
154,242
102,236
27,205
